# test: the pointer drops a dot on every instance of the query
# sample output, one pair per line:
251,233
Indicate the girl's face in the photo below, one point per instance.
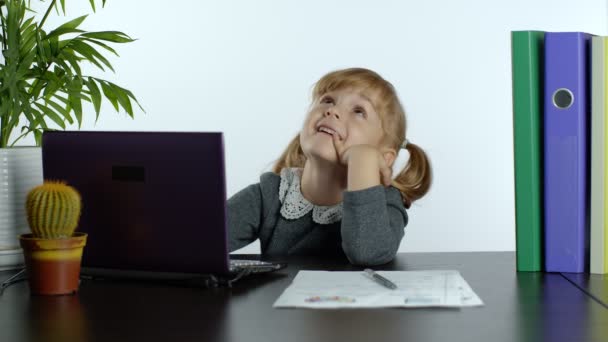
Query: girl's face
345,112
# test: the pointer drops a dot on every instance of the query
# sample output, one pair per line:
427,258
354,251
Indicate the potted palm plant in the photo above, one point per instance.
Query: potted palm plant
43,86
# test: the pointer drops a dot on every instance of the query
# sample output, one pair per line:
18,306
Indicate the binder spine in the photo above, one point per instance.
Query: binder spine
566,134
527,62
599,148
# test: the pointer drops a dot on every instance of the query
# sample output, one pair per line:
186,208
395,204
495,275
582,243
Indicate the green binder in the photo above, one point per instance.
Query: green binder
527,68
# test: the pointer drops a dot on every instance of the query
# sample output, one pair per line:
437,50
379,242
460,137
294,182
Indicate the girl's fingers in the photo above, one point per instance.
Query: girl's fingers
336,139
338,145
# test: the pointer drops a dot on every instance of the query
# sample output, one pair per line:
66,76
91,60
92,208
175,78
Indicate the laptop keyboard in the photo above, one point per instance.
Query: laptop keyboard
253,266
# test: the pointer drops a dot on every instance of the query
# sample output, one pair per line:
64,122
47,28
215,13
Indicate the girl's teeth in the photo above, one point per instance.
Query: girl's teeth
327,130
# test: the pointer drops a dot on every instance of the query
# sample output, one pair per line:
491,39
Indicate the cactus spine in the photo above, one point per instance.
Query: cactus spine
53,210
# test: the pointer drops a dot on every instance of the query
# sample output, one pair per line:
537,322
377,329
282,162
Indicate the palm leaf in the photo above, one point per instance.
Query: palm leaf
38,119
28,36
110,36
51,114
102,45
109,94
123,98
130,94
65,101
72,59
51,82
63,6
76,105
65,67
95,95
88,52
13,18
38,136
59,109
69,27
26,63
41,55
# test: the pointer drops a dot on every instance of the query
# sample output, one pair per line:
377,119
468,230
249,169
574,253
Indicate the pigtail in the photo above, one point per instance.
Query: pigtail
415,179
293,156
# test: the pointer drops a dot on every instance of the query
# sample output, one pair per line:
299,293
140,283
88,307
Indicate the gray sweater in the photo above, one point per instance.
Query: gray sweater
369,233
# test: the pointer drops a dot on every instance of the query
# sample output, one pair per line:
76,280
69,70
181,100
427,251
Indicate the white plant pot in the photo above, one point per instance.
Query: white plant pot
20,171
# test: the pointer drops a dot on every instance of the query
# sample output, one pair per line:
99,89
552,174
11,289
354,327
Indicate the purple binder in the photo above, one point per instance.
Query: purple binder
566,158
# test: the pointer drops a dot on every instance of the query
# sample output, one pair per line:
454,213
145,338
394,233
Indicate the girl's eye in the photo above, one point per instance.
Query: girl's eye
327,99
360,111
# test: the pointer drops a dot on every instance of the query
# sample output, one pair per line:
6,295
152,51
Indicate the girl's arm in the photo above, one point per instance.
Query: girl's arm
244,217
373,220
373,216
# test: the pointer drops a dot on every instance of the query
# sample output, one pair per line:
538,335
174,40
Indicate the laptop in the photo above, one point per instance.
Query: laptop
153,203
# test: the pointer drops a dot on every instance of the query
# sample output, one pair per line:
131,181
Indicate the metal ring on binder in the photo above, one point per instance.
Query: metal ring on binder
562,98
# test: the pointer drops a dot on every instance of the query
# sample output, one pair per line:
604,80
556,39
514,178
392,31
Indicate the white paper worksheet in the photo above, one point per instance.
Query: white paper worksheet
331,290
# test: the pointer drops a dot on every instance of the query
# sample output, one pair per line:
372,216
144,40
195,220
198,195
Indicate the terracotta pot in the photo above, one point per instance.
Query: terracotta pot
53,265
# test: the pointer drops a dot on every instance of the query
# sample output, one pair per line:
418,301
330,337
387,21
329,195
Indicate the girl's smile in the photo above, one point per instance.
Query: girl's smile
324,128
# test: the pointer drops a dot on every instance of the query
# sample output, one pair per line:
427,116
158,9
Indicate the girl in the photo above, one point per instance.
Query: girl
332,192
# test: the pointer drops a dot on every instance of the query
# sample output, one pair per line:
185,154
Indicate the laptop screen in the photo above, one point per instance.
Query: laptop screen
151,201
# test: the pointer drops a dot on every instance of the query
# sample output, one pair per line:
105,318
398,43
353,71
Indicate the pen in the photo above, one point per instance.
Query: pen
380,279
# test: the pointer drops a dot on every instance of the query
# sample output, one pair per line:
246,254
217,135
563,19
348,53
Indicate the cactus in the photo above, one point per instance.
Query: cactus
53,210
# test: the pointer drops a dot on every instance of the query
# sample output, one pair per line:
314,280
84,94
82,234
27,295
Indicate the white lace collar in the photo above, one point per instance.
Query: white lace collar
295,205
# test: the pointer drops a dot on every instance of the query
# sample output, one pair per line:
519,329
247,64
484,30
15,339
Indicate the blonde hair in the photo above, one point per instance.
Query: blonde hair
414,180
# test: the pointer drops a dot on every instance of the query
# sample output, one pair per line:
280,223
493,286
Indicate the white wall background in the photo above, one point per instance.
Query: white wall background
247,67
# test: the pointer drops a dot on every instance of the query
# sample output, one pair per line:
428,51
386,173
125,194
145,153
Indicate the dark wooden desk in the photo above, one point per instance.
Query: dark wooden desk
518,307
595,285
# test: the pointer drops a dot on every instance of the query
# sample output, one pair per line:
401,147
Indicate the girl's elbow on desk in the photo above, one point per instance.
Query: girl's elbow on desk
370,258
